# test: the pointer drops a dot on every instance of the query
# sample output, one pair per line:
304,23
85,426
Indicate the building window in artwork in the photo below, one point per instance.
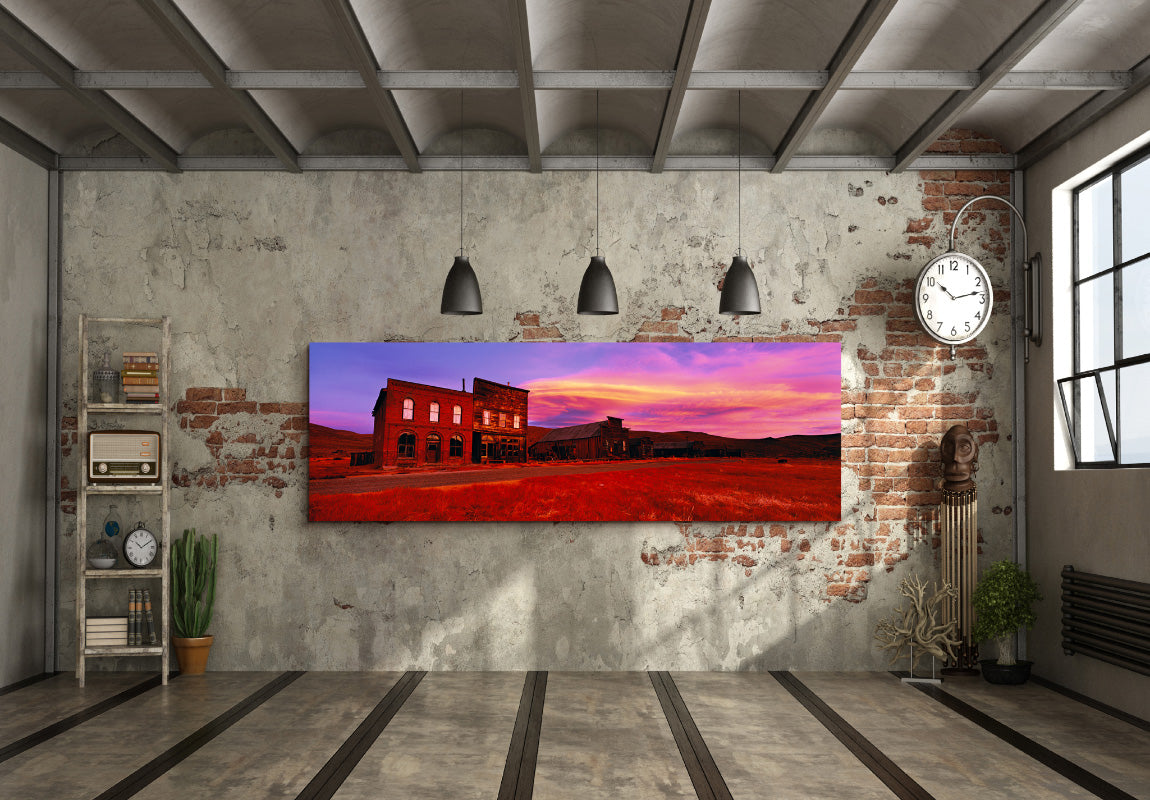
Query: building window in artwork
408,408
456,446
515,422
502,420
486,417
457,415
434,416
406,448
433,442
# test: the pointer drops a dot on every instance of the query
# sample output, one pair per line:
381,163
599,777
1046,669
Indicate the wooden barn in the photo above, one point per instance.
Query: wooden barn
594,440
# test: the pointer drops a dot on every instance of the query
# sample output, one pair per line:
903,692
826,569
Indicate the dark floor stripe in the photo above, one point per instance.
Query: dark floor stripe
1067,769
1097,705
332,775
904,786
190,744
704,772
56,728
13,687
519,772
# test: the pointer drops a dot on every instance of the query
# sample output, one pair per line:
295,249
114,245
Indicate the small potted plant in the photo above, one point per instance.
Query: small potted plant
193,593
1002,605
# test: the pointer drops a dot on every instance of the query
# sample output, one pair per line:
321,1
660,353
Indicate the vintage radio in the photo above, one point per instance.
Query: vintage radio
124,457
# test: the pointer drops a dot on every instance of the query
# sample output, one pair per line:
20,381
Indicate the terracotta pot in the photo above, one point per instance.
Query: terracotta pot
192,654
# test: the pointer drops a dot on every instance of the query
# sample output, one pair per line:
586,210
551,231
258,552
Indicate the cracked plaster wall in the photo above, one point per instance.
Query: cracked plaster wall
23,341
252,267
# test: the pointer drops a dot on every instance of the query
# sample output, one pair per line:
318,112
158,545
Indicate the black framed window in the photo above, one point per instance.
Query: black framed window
1106,399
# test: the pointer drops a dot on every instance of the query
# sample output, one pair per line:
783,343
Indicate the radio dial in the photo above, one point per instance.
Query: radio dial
145,468
102,468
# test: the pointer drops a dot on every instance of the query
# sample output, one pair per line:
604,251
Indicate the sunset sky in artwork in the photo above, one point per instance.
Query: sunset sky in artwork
739,389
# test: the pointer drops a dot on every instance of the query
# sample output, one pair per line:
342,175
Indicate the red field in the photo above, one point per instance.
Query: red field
720,490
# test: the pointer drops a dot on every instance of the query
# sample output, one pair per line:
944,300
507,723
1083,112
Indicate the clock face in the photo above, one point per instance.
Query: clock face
953,298
140,548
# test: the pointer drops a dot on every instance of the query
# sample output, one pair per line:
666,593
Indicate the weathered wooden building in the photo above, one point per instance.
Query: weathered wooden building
417,424
499,422
594,440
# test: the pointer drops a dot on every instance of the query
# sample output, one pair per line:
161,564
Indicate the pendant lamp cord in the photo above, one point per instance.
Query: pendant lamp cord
461,172
596,172
740,171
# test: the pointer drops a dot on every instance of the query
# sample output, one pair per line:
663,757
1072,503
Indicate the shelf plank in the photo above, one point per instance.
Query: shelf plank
125,408
124,650
129,320
123,488
124,573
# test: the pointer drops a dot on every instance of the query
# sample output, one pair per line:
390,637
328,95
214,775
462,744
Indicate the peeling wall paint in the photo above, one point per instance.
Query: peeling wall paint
253,267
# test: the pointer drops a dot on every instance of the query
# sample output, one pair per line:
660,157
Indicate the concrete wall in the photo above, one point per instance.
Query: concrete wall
23,343
253,267
1094,520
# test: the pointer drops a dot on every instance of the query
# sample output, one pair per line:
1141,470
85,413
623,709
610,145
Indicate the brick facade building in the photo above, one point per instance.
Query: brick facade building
500,422
416,424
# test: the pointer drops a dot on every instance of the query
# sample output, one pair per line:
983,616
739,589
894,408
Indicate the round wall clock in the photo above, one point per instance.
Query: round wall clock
140,547
953,298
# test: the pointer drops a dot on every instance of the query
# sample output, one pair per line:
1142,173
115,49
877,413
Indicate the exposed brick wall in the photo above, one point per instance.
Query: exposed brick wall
249,441
894,419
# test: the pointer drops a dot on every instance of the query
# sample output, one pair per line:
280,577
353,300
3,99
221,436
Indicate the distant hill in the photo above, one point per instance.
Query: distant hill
324,442
814,446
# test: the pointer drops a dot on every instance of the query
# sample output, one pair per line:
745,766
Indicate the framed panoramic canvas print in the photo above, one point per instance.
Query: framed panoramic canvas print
736,431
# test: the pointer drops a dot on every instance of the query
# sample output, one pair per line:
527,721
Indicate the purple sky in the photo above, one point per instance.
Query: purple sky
737,389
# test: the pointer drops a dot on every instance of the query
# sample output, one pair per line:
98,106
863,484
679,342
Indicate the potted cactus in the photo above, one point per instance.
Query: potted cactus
1002,604
193,593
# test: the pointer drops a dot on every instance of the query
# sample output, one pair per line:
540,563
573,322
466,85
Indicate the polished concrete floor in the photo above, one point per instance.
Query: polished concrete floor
354,736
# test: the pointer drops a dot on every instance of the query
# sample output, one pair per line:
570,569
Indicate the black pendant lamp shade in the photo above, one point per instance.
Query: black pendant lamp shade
597,291
740,293
461,291
461,295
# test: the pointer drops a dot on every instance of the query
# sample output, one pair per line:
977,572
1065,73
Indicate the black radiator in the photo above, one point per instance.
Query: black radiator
1107,619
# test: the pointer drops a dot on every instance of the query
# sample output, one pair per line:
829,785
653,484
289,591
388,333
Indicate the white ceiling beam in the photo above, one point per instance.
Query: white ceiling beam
1083,117
804,80
684,63
32,149
1021,42
525,72
550,163
865,26
359,49
34,50
193,45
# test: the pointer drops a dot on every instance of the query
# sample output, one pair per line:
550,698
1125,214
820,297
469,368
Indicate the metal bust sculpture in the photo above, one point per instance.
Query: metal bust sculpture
959,458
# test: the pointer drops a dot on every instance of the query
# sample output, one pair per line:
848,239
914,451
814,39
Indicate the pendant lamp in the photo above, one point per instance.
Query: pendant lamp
740,293
597,291
461,294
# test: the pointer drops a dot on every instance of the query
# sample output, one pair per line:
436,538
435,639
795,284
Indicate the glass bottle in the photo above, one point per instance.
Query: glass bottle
103,551
104,379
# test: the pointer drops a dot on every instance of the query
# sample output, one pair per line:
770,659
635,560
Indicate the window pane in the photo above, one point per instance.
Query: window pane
1136,210
1135,428
1090,431
1109,380
1095,228
1135,308
1096,323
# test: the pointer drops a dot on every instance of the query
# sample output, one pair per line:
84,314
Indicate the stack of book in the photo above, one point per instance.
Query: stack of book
106,631
141,377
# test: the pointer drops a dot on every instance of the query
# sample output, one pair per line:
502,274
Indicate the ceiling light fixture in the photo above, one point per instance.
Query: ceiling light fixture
597,291
740,294
461,294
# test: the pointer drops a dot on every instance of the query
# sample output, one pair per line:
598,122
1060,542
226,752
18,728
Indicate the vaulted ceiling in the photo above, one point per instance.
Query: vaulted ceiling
545,84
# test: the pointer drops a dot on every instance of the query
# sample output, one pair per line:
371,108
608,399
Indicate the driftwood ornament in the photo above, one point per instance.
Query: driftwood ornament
917,627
